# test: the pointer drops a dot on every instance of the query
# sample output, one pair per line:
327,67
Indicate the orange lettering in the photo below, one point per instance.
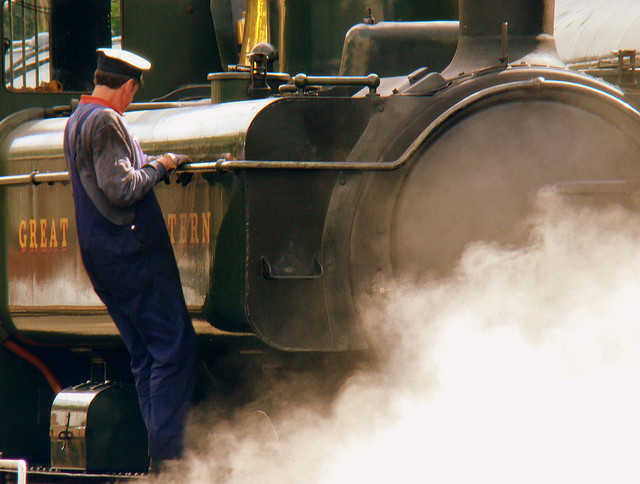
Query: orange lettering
64,226
171,225
193,223
22,235
183,228
33,241
43,234
53,236
206,228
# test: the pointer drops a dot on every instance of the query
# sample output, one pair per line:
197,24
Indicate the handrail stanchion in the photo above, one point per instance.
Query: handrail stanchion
18,465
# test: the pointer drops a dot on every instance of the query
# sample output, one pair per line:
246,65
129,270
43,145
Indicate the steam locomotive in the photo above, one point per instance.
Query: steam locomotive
309,195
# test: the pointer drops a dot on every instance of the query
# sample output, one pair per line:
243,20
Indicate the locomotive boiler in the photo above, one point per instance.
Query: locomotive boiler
308,201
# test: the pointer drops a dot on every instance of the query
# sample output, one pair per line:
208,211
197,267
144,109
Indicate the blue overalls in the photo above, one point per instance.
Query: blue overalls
134,272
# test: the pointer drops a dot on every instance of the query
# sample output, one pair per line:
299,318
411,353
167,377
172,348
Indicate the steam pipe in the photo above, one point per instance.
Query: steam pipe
223,165
300,81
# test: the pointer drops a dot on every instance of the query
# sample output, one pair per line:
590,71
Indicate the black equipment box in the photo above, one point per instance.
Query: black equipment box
97,427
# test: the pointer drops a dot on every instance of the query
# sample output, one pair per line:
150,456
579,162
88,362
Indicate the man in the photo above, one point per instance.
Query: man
126,249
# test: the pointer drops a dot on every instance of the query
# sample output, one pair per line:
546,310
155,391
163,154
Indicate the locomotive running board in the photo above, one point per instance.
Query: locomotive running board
48,472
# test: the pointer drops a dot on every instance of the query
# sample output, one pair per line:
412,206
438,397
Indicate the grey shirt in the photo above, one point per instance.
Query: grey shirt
113,170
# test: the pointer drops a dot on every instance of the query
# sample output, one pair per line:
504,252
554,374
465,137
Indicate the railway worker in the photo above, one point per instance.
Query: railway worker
126,249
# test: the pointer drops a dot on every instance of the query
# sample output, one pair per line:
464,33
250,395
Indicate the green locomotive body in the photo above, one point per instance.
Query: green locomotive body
309,193
53,328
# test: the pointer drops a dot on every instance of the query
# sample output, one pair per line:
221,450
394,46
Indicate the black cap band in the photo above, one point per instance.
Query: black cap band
116,66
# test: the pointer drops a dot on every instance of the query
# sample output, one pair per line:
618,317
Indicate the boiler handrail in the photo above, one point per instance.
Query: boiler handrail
225,165
18,465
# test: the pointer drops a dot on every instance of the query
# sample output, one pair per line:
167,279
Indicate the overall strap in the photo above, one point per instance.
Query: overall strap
73,147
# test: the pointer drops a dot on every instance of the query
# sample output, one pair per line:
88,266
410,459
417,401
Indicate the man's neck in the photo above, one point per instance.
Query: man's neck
112,96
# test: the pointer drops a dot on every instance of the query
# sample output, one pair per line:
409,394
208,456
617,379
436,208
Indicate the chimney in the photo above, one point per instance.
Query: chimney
495,32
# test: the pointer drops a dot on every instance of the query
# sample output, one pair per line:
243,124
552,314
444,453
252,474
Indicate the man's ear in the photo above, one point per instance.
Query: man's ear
132,85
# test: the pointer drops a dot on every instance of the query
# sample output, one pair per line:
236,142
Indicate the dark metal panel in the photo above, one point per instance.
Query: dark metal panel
225,34
398,48
308,128
336,244
309,34
177,36
74,40
225,303
24,406
286,290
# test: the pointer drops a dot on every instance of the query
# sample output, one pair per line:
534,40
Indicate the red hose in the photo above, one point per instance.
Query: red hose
30,342
35,361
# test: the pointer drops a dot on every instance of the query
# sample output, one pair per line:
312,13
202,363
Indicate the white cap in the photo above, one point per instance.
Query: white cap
118,61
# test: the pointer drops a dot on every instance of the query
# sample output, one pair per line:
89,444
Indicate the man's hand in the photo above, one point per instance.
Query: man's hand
171,161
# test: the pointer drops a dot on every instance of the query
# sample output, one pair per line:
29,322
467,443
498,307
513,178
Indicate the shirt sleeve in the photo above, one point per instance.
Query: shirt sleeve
116,176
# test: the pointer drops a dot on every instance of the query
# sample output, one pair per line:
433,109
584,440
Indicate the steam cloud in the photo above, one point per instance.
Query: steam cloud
521,367
585,28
